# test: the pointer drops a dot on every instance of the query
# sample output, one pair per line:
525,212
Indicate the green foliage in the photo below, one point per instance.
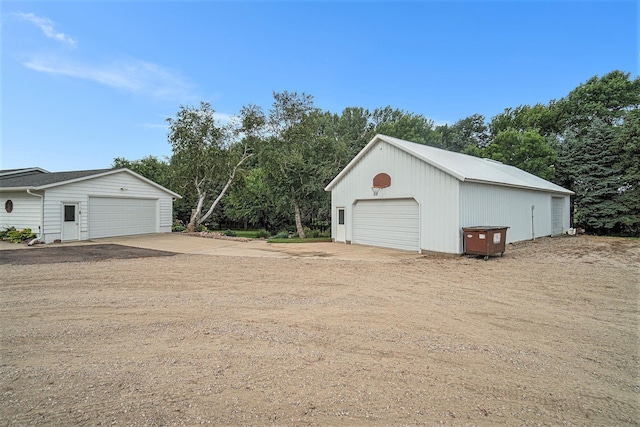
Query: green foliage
150,167
607,98
262,234
596,178
464,135
527,150
282,235
178,226
12,235
627,147
200,228
403,125
229,233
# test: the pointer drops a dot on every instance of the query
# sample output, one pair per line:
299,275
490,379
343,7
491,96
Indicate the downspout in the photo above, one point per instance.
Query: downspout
41,226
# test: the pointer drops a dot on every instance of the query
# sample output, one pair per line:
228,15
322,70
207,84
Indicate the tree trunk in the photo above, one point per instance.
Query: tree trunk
296,207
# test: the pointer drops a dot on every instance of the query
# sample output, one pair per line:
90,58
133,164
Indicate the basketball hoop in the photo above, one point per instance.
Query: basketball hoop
375,190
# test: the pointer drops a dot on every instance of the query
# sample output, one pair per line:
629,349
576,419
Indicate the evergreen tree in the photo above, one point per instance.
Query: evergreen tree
597,178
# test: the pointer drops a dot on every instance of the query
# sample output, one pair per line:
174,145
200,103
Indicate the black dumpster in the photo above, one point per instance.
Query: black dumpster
485,241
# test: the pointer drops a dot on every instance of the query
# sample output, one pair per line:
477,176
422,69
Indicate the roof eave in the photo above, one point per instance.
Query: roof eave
15,189
503,184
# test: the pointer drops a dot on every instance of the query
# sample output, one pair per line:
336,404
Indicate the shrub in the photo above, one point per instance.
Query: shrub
314,233
263,234
229,233
200,228
178,226
282,235
16,236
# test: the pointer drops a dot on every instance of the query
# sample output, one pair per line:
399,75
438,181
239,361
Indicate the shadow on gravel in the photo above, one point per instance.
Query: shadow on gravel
79,253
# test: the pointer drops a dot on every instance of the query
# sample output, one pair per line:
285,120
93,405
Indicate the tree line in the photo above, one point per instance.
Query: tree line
268,169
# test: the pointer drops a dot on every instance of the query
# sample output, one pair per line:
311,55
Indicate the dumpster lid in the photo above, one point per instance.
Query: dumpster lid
484,228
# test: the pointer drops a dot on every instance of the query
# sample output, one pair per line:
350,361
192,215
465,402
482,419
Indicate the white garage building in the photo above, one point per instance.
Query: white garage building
403,195
81,205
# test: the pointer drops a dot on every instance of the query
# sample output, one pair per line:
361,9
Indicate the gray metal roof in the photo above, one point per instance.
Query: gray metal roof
461,166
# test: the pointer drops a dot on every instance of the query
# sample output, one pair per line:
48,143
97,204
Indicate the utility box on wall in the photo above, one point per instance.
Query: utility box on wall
485,241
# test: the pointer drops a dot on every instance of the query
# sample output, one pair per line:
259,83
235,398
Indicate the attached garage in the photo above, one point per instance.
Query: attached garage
390,223
81,205
111,216
403,195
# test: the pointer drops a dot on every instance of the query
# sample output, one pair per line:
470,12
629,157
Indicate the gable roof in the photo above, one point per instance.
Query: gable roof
463,167
23,171
38,179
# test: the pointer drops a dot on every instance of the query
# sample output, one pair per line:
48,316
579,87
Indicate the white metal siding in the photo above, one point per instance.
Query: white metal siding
27,211
109,216
118,185
435,191
487,205
389,223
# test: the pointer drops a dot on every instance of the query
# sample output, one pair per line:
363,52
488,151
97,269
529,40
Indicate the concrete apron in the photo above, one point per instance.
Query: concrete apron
181,243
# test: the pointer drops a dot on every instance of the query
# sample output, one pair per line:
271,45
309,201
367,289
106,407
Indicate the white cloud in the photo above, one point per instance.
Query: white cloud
132,75
154,126
47,27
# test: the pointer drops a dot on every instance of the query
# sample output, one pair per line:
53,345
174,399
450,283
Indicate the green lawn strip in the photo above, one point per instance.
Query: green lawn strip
299,240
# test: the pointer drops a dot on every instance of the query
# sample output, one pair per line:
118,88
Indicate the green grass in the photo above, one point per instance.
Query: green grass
299,240
250,234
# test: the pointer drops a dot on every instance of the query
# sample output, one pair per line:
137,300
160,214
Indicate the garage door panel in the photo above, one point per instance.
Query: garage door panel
387,223
111,216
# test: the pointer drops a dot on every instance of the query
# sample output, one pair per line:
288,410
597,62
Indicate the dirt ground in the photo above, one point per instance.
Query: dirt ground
547,335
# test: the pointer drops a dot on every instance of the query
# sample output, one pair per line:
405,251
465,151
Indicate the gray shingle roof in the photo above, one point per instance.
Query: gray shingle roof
37,179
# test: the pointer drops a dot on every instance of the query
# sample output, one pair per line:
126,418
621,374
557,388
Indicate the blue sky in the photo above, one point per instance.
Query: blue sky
84,82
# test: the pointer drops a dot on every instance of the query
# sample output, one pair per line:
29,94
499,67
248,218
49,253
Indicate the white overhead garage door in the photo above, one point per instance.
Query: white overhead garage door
111,216
389,223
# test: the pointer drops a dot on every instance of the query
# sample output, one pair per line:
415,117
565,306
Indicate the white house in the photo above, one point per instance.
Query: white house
81,205
403,195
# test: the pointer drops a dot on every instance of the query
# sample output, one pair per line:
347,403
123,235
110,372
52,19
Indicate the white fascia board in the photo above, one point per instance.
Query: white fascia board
560,190
14,189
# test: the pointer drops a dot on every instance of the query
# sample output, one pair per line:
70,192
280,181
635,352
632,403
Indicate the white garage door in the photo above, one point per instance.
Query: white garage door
110,216
393,223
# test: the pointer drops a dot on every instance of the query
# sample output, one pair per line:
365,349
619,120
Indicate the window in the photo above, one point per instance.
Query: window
341,216
8,206
69,213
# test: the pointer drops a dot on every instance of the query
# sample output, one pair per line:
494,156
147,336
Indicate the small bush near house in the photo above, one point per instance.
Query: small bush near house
16,236
200,228
178,226
229,233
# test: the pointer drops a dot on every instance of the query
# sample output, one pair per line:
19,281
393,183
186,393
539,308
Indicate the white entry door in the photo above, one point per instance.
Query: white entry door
557,215
70,222
341,230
